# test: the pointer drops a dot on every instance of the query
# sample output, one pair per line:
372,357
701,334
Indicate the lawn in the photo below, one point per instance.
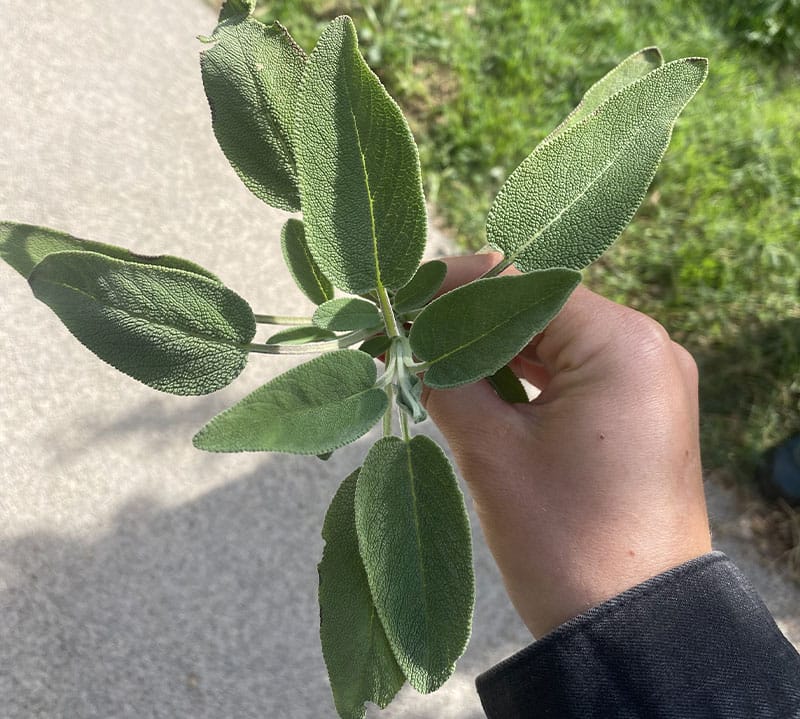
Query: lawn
712,253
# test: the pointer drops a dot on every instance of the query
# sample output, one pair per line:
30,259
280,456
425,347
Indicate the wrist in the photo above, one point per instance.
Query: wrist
575,588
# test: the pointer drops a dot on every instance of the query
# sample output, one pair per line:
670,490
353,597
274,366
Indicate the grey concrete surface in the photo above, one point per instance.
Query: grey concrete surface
138,576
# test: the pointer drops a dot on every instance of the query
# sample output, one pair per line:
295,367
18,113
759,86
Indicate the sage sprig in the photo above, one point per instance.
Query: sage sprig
318,133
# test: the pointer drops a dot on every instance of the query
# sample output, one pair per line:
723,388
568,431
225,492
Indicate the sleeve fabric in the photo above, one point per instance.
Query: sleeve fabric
695,641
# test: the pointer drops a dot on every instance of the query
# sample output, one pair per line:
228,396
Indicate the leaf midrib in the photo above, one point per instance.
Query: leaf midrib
373,229
494,328
312,409
583,192
148,320
420,564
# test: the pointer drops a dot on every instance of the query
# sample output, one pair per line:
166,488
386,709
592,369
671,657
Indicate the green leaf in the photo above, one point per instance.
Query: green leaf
358,656
314,408
251,77
325,456
24,246
573,195
414,539
423,286
300,335
347,313
360,180
628,71
508,386
301,264
472,331
376,346
235,8
175,331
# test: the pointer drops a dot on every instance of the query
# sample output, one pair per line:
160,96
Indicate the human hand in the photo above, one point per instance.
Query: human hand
594,486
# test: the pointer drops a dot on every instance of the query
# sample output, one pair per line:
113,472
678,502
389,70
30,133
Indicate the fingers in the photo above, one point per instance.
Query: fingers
461,270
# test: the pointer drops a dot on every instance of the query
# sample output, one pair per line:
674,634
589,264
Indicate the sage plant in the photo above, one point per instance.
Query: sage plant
319,135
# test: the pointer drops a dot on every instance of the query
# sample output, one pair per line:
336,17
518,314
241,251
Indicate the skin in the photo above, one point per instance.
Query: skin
595,485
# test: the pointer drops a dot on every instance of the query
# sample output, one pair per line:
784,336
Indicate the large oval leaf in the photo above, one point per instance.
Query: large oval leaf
251,76
574,194
414,538
360,181
360,663
24,246
311,409
307,274
173,330
629,70
472,331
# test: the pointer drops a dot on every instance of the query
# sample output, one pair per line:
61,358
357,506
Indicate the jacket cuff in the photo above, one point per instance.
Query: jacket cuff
694,641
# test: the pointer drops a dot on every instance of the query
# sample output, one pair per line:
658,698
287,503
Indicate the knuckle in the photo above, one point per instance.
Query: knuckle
647,336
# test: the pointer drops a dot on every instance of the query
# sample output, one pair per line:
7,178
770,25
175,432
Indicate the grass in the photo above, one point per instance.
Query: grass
713,251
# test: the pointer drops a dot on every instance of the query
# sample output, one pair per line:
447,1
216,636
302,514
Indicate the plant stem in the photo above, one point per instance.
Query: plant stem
310,347
387,415
280,320
388,313
404,426
504,264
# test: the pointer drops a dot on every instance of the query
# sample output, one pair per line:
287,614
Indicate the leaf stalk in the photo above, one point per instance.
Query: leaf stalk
311,347
392,328
281,320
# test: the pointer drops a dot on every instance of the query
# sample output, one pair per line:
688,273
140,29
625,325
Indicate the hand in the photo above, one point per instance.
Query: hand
596,484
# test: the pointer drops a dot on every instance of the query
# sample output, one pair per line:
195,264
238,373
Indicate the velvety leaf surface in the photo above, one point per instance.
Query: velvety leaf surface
301,335
472,331
234,8
360,181
360,663
24,246
508,386
251,76
423,286
347,313
573,195
311,409
175,331
414,538
307,274
629,70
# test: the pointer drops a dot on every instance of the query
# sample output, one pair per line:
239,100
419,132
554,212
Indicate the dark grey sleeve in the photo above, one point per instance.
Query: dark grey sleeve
695,641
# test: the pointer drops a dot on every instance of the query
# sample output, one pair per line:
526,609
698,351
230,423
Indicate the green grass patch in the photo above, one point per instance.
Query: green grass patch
713,251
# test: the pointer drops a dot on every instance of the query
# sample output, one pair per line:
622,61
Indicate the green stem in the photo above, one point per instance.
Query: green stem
404,426
388,314
504,264
387,415
280,320
311,347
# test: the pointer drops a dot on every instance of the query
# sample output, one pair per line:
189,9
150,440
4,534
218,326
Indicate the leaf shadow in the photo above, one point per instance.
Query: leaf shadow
203,609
